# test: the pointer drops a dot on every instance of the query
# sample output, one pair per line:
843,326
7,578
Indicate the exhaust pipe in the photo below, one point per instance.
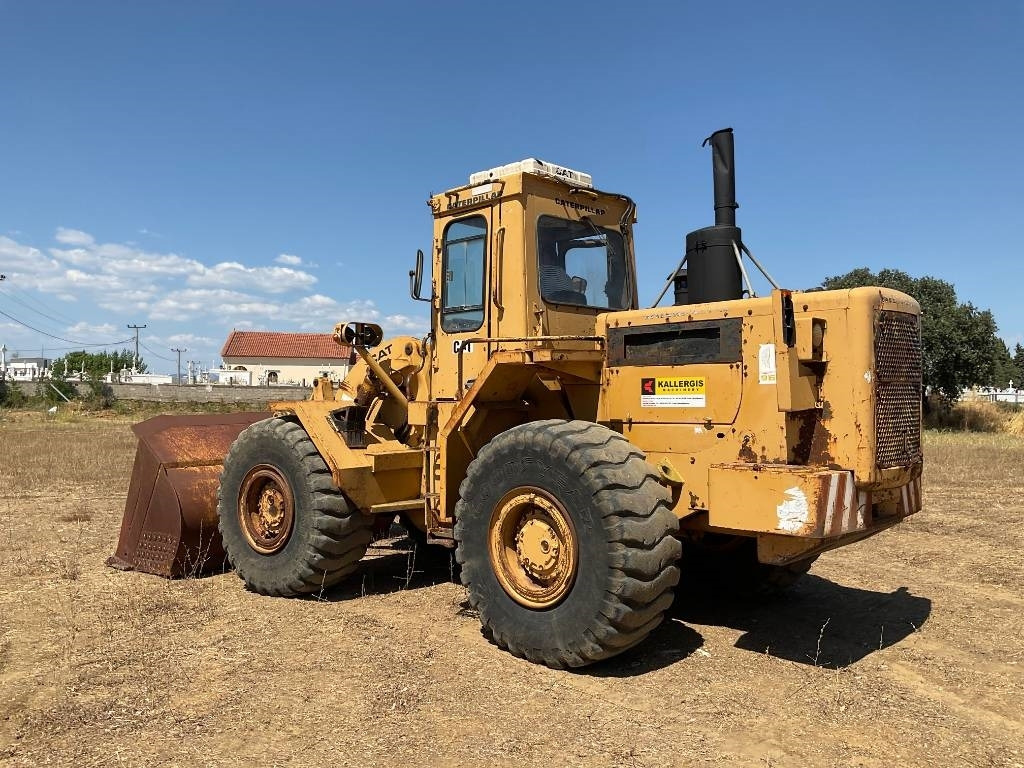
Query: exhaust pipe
713,273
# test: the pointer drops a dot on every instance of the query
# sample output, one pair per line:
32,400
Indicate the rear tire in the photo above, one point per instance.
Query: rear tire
287,529
566,542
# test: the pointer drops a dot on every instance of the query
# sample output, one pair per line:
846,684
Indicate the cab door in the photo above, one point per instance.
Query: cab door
462,286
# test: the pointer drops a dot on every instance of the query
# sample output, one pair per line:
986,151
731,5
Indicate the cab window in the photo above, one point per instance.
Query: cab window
582,264
462,300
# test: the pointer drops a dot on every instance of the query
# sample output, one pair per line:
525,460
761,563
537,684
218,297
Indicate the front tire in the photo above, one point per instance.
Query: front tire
287,529
566,541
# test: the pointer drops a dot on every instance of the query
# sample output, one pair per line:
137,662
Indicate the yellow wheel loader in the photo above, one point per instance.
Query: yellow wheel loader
574,449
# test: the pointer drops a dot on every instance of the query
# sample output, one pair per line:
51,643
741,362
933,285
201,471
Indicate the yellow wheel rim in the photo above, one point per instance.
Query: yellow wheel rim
266,509
533,547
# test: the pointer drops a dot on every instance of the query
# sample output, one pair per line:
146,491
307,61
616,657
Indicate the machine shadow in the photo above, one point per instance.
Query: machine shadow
395,566
670,642
818,622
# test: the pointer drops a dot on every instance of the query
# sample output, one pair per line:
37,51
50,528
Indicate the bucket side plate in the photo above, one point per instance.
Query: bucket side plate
170,517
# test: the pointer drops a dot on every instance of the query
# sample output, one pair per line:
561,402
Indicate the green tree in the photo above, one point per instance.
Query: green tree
96,365
1018,366
1004,369
959,342
47,389
11,395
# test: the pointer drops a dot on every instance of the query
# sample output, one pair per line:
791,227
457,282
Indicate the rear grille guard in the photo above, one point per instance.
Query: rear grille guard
897,389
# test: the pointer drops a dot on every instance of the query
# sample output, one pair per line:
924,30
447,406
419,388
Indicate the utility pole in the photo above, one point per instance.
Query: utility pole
136,328
179,351
3,362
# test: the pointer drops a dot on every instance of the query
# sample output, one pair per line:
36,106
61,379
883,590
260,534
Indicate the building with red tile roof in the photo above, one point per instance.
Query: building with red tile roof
273,357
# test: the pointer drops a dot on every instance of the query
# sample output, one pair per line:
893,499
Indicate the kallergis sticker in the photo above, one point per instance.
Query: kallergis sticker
673,392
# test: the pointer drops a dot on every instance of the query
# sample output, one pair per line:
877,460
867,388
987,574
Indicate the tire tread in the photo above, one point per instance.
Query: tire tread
639,526
339,534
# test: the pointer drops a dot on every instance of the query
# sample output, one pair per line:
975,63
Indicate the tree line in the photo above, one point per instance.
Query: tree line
95,365
69,371
960,343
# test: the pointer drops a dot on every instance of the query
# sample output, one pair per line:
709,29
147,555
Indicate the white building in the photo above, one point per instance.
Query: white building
271,358
26,368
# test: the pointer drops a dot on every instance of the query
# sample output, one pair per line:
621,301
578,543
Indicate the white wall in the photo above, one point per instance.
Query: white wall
290,370
23,371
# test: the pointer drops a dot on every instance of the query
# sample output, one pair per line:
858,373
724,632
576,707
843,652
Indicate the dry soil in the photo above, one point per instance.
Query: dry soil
905,649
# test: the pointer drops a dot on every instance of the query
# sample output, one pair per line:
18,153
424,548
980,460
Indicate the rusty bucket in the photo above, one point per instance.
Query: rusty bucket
170,516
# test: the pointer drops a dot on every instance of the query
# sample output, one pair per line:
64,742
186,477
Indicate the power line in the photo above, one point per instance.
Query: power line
66,349
31,308
154,354
61,338
13,286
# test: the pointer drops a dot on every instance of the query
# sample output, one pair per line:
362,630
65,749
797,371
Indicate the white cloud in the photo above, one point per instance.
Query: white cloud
83,329
187,303
192,304
185,339
403,325
123,259
231,274
25,261
73,237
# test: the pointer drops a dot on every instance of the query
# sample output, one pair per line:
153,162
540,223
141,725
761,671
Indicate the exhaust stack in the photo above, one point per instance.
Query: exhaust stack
712,272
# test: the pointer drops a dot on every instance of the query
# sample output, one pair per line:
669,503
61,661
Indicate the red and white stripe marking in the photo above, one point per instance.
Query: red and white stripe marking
910,496
845,508
848,510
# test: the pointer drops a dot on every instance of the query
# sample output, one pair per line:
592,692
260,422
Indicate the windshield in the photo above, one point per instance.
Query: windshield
581,264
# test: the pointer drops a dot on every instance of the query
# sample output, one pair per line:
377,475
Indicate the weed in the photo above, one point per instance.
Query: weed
821,634
71,561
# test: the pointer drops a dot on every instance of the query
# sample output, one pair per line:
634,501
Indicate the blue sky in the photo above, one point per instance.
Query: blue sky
203,166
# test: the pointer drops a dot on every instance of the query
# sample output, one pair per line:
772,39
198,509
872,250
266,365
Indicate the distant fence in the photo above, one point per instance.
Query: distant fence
1014,396
193,393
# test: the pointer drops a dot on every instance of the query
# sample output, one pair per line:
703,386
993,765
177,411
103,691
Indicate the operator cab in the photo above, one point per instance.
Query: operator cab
526,250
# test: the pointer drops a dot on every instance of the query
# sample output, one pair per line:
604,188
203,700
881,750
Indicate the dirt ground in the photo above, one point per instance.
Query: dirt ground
903,650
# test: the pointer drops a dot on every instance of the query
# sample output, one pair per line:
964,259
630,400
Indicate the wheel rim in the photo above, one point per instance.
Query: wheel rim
266,509
533,548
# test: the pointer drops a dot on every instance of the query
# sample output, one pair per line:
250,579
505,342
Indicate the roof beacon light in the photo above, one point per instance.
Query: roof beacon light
538,167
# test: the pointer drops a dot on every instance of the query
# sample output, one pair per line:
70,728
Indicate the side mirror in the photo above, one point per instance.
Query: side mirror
416,278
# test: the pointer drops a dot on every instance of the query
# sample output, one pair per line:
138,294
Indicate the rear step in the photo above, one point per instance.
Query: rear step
170,516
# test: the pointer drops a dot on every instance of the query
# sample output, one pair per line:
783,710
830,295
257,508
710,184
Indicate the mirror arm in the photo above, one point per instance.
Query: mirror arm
416,278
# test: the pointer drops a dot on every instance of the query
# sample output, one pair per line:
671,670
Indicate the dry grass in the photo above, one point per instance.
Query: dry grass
978,416
1015,426
901,650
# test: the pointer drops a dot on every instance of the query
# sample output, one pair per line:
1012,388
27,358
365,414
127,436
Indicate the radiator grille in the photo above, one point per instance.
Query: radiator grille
897,389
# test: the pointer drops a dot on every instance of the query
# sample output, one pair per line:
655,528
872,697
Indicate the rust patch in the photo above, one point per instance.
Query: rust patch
746,450
813,438
820,453
170,517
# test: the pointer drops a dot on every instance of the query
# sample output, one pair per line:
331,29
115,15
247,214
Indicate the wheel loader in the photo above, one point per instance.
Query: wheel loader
576,451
